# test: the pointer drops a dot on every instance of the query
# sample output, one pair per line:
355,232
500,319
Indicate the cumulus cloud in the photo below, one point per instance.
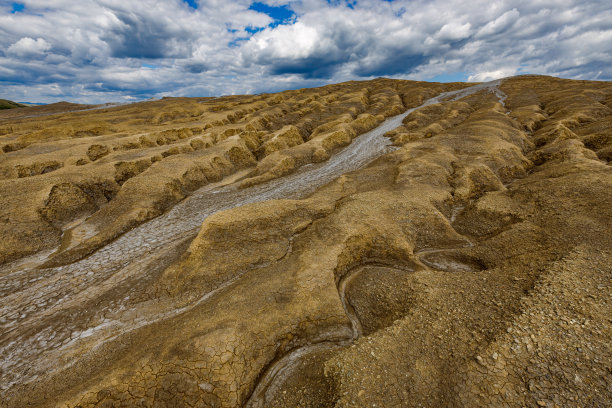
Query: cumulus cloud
101,50
453,31
499,25
491,75
28,47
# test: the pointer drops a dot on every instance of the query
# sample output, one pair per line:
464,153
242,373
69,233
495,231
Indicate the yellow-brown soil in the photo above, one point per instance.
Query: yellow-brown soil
113,168
468,266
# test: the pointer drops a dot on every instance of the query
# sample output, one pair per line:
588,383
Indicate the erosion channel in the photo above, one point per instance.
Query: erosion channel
323,247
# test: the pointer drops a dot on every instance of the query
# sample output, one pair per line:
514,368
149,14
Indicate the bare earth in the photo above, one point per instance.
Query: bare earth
368,244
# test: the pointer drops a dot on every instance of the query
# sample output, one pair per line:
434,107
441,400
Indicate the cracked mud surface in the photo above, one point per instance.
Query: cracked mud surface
229,252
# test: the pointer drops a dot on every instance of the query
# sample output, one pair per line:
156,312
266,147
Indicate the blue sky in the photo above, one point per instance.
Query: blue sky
17,7
93,51
192,3
281,14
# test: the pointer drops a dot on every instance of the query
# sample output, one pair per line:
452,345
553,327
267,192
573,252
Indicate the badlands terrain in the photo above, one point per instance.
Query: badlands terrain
369,244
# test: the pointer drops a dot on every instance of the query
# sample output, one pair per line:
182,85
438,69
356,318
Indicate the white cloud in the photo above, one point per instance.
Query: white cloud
94,50
491,75
500,24
28,47
453,31
294,41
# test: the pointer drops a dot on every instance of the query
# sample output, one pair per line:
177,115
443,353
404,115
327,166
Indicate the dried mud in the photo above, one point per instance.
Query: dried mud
276,251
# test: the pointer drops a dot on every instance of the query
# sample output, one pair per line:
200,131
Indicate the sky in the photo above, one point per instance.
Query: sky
95,51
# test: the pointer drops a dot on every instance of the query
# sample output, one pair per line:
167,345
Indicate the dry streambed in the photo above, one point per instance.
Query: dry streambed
395,283
38,303
373,296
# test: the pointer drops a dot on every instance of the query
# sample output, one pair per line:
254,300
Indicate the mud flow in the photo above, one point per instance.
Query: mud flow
381,243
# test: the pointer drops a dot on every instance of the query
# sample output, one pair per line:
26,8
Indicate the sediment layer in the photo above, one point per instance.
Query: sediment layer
201,253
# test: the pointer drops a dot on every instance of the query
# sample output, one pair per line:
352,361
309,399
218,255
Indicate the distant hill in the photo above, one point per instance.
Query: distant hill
6,104
28,104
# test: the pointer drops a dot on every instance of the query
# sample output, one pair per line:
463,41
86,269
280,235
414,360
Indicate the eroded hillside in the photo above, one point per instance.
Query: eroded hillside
228,252
91,175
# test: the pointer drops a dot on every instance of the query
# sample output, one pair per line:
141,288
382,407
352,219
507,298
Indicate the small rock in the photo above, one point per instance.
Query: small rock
206,387
531,385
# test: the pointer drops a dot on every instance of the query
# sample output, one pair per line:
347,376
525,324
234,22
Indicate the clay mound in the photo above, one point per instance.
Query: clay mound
467,266
132,145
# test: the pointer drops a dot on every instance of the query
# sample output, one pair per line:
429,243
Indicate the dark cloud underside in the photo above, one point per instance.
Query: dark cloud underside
101,50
